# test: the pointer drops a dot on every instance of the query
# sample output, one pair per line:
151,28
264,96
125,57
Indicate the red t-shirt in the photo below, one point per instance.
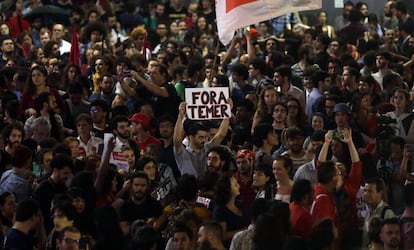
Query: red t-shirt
301,220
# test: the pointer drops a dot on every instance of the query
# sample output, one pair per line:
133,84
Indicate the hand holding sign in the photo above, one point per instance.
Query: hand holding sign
207,103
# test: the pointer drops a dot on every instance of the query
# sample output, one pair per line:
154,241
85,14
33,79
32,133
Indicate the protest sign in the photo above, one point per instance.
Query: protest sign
207,103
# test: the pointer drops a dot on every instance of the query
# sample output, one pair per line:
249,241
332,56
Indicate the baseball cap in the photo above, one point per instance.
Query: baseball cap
140,118
342,107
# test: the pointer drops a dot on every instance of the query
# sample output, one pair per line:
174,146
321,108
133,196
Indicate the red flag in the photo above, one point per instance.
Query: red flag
74,56
235,14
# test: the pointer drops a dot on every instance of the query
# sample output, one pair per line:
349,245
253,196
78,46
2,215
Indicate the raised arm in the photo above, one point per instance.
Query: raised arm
403,168
103,167
250,47
352,149
325,147
152,87
224,127
179,129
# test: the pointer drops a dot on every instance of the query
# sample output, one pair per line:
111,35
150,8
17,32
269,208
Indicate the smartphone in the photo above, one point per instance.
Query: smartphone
410,148
338,135
126,73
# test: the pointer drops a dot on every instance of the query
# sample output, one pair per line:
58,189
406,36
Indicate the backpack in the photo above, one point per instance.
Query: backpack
263,83
384,210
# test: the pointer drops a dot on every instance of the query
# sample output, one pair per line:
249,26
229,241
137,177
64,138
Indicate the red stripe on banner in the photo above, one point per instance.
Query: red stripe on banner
231,4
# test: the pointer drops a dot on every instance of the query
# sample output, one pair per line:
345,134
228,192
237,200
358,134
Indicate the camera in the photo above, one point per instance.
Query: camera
338,135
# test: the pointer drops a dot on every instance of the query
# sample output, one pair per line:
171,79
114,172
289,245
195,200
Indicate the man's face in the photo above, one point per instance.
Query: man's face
278,79
161,30
329,107
295,143
97,114
371,196
199,139
7,46
166,129
214,162
95,36
58,31
123,130
159,10
242,114
64,174
244,165
346,10
112,22
363,87
60,220
139,188
15,137
107,85
381,62
181,241
279,114
390,235
156,76
341,119
44,38
346,78
270,45
70,241
83,127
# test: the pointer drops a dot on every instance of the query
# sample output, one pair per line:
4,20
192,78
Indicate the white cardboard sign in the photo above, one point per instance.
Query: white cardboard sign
207,103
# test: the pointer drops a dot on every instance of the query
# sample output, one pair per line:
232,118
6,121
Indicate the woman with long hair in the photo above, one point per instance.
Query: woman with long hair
267,99
296,114
35,85
228,212
282,166
323,26
264,182
71,74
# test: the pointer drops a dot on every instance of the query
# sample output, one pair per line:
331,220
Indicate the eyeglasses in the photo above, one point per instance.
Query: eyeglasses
94,111
71,241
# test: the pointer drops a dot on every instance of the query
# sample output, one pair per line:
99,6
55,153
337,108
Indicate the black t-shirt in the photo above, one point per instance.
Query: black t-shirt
17,240
166,105
130,211
44,194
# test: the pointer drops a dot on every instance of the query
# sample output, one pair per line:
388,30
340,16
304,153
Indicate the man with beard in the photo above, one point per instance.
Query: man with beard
390,234
350,83
279,119
388,20
210,236
245,160
12,135
218,160
282,78
295,152
140,206
106,83
140,124
342,20
121,129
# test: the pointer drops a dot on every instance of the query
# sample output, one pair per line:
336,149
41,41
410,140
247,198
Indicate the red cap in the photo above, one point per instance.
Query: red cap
245,153
140,118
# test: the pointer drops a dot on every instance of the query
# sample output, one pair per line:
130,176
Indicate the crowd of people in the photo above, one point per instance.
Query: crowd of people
98,151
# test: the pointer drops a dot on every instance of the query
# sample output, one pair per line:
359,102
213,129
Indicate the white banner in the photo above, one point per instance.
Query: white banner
207,103
235,14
